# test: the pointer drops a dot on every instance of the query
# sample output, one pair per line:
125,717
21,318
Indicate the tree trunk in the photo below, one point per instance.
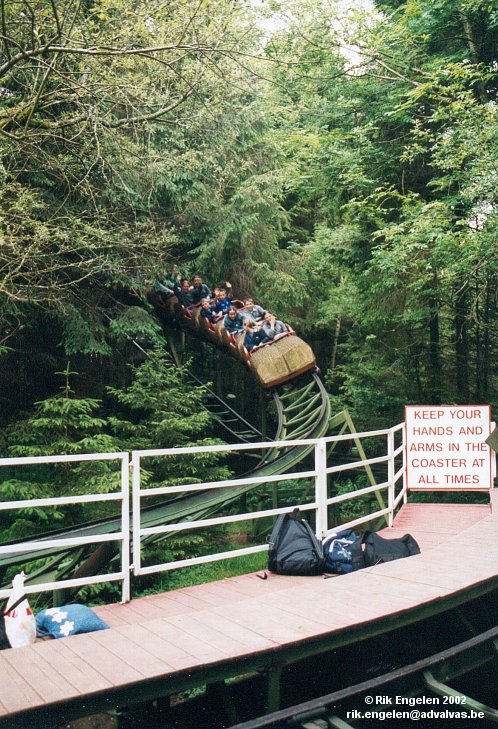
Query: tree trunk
472,41
486,345
434,354
460,323
478,383
336,344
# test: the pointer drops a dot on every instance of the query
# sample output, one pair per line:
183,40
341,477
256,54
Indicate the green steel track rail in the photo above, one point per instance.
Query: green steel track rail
64,562
427,679
228,418
225,416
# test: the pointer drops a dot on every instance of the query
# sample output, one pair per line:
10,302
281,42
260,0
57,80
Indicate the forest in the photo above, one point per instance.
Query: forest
337,161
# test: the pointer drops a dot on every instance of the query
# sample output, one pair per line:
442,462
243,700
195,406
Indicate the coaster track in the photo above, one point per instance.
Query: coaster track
303,411
427,679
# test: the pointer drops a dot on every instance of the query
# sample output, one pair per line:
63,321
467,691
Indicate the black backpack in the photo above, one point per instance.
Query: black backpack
294,549
378,550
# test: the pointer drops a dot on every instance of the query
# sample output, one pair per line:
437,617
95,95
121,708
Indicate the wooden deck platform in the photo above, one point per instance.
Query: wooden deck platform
165,643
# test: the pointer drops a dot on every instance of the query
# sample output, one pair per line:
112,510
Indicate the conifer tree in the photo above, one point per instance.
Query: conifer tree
160,408
61,424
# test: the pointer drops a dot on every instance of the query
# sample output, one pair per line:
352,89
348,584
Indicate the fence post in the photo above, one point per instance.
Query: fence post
405,481
125,527
135,481
390,476
321,488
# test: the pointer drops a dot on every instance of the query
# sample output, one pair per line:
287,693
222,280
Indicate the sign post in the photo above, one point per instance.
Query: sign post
446,449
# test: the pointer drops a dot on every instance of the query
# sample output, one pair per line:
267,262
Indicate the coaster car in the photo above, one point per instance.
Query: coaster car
273,363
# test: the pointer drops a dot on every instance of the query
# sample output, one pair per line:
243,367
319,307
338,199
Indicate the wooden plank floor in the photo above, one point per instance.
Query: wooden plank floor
431,529
172,637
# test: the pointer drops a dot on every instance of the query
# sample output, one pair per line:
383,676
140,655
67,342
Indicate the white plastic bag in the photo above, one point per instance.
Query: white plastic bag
20,623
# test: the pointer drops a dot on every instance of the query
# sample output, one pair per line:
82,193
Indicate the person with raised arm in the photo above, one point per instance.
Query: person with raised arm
224,299
166,284
183,293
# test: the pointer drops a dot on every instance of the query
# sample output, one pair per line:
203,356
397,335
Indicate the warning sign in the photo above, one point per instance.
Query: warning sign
446,449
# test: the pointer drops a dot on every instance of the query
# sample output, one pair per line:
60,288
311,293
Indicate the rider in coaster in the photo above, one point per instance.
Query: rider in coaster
199,290
214,303
183,293
254,310
273,326
165,285
254,335
233,321
224,301
207,310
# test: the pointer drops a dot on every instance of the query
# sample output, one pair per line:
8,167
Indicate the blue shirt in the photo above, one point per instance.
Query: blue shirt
223,306
209,314
252,339
233,325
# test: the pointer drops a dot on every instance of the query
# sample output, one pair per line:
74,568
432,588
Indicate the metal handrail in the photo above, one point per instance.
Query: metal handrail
319,505
122,535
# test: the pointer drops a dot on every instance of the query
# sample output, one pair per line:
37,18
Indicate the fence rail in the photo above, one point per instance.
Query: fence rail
394,486
389,493
122,535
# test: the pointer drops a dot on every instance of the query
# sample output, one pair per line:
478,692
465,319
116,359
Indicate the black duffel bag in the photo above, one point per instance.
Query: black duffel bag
378,550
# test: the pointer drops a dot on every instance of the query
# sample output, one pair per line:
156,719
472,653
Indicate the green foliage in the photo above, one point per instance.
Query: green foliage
343,172
391,192
120,150
355,508
61,424
161,409
81,336
136,323
199,574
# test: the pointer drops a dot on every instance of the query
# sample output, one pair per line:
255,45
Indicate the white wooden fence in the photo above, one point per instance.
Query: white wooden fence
393,490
